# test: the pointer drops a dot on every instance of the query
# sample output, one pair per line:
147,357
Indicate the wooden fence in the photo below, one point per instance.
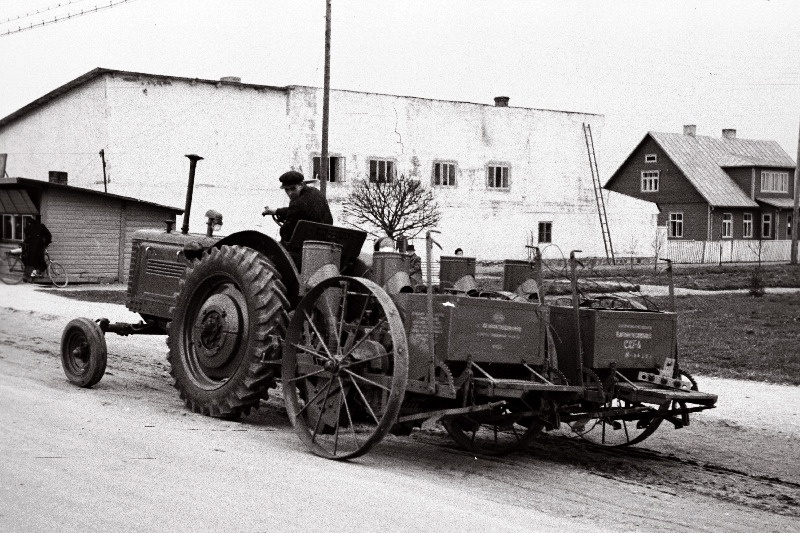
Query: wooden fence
727,251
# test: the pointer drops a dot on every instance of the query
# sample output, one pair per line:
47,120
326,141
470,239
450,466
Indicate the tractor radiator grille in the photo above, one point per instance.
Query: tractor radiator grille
160,267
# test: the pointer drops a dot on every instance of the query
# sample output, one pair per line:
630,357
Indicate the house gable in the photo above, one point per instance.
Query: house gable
672,183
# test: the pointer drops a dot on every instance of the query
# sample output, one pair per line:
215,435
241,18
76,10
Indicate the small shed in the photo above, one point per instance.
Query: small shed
92,230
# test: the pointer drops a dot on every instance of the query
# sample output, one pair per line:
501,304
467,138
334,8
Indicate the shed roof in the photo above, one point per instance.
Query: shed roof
16,202
10,184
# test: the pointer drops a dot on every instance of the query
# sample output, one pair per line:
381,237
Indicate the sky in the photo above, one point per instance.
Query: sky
644,65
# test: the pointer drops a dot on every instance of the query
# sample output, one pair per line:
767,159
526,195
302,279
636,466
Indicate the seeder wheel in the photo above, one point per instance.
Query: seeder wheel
497,432
83,352
617,432
345,367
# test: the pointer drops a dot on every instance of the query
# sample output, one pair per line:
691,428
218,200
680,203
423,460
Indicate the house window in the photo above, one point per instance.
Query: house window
676,225
381,170
747,226
788,226
545,232
766,226
772,181
651,158
14,227
650,181
335,168
444,174
727,225
497,176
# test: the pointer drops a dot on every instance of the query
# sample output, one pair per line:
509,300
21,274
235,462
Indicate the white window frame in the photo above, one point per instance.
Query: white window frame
747,226
547,225
766,222
492,170
774,181
389,169
441,166
675,224
651,158
727,225
650,179
339,168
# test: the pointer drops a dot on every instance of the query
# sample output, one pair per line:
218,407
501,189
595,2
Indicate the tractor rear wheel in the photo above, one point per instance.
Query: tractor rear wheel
225,332
83,352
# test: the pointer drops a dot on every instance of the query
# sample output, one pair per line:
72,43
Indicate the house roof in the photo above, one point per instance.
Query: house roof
97,72
10,184
701,159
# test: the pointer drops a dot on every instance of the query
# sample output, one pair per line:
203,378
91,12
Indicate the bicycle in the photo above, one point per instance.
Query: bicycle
16,269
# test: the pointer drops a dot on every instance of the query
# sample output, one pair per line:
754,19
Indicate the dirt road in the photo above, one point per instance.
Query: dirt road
127,456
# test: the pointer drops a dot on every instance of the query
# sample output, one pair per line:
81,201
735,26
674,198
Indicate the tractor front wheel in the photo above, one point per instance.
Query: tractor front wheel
83,352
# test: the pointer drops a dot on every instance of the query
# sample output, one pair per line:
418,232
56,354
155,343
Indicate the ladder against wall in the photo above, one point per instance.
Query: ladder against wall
598,193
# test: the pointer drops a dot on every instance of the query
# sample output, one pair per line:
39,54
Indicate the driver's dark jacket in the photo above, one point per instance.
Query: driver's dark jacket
310,205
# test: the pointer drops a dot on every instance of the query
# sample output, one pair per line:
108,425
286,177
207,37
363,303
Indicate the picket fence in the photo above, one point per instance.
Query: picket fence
727,251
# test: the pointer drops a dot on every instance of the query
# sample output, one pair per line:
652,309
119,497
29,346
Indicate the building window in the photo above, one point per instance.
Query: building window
650,181
497,176
651,158
676,225
14,227
772,181
788,226
747,226
381,170
766,226
727,225
545,232
444,174
335,168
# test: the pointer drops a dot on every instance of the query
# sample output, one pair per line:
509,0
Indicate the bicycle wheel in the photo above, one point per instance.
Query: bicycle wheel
15,272
57,274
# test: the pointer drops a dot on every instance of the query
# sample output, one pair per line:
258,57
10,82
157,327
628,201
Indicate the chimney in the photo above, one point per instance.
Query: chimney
501,101
729,134
690,130
58,177
231,79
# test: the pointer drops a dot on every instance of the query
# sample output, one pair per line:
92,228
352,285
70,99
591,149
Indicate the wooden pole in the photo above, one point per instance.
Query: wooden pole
796,209
326,88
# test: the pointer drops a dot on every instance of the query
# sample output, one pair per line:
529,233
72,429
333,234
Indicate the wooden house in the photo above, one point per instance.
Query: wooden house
92,230
711,188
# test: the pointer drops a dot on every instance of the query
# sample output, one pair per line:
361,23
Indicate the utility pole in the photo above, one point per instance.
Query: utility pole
326,88
796,209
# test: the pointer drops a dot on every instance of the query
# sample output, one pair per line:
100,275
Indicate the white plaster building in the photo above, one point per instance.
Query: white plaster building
249,134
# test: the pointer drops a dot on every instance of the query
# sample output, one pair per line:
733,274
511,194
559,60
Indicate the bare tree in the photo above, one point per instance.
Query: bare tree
398,207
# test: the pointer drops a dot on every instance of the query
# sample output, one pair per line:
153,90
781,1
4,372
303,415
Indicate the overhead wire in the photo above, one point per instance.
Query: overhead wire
40,11
69,16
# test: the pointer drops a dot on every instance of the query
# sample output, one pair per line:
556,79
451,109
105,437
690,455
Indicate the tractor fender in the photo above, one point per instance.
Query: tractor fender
276,253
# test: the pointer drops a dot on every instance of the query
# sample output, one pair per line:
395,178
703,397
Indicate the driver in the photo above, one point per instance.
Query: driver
305,203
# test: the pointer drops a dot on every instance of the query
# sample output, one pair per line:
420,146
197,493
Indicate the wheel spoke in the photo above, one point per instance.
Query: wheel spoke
364,337
341,317
362,378
315,373
349,416
351,364
364,399
310,351
322,409
349,345
310,322
310,401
